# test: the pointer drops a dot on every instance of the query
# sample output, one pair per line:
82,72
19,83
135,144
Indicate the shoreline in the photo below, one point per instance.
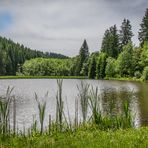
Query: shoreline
71,77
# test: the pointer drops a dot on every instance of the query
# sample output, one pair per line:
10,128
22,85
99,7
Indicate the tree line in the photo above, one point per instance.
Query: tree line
13,55
118,56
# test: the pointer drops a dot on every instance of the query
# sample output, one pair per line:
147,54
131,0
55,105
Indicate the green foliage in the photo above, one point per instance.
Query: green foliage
94,100
2,62
59,105
4,112
110,43
82,58
111,68
124,61
143,32
90,137
101,65
145,73
92,67
144,55
83,96
41,109
126,34
13,55
47,67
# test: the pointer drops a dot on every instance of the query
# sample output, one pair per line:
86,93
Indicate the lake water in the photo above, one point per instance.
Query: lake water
26,105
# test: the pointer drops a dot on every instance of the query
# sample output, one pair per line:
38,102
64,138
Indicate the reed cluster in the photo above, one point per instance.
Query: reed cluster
88,99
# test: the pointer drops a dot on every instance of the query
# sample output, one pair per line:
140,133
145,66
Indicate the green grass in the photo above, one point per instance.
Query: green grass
126,79
43,77
89,137
67,77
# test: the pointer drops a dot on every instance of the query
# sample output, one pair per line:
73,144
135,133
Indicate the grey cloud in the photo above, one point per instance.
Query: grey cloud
61,25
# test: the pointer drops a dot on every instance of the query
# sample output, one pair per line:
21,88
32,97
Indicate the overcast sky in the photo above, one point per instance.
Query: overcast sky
61,25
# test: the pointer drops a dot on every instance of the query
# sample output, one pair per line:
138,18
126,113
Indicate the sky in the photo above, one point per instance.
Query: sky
61,25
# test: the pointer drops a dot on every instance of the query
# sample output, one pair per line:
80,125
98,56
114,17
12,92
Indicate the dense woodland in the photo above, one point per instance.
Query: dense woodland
13,55
118,57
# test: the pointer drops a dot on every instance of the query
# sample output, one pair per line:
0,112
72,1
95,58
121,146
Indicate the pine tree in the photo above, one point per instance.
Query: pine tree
83,57
143,32
110,43
126,34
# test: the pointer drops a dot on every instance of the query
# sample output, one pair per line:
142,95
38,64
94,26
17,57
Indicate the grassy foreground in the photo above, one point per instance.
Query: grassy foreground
83,137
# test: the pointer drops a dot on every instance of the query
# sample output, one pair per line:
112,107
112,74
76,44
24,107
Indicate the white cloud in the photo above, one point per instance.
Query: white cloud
61,25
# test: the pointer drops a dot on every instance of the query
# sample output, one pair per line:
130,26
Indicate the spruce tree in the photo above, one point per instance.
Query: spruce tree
83,57
126,34
143,32
110,43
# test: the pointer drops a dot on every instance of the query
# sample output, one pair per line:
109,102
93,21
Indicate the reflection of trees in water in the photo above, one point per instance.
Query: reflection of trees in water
113,99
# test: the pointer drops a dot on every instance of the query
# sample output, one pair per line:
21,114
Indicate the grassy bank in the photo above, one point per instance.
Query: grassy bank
83,137
67,77
42,77
125,79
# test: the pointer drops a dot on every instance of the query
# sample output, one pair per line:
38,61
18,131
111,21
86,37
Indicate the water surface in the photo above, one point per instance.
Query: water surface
26,106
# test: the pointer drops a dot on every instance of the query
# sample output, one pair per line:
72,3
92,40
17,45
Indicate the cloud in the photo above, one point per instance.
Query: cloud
62,25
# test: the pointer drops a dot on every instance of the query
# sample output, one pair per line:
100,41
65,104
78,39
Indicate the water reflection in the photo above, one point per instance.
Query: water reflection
112,96
113,99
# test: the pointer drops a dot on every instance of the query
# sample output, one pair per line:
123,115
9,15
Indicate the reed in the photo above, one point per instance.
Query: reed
83,95
59,105
41,109
88,99
94,100
4,111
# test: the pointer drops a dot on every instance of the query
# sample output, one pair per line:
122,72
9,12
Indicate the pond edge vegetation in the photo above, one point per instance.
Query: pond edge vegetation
88,96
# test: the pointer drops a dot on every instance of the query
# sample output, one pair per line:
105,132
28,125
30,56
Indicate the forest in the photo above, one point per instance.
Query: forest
118,57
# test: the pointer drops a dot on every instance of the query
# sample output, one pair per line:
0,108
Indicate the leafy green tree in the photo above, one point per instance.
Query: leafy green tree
126,34
145,73
110,70
124,61
110,42
101,65
144,55
47,67
136,62
92,67
143,32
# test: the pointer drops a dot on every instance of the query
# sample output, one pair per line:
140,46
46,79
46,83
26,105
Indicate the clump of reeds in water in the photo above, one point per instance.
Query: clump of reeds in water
41,109
59,105
5,103
94,100
83,95
89,99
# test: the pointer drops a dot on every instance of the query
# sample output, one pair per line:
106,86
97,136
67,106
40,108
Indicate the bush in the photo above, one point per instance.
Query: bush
145,73
137,74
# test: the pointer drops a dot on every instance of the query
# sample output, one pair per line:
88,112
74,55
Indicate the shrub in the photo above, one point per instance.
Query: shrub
145,73
137,74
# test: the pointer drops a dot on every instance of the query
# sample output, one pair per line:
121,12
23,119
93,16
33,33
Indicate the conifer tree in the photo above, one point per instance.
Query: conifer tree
110,43
143,32
83,57
126,34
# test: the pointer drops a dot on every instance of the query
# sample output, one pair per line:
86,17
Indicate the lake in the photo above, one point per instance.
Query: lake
26,105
